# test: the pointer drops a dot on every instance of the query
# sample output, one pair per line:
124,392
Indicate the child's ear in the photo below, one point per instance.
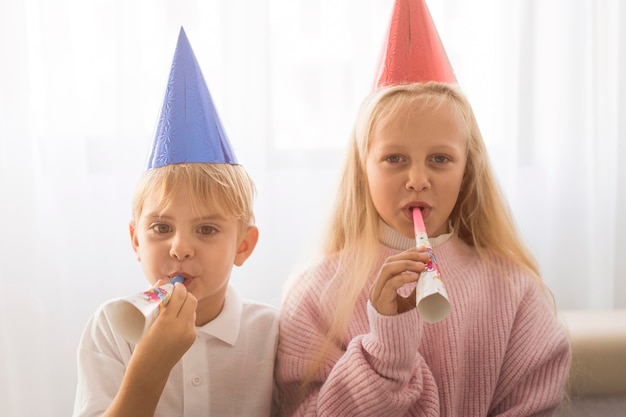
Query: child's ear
133,239
247,245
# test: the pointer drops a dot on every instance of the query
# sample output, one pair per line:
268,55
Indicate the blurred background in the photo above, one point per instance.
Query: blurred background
81,85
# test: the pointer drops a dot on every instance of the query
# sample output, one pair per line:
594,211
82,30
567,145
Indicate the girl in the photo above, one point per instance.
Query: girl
351,345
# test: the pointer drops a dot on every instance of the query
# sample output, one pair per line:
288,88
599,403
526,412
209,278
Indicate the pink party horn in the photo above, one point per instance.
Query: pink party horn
132,316
431,296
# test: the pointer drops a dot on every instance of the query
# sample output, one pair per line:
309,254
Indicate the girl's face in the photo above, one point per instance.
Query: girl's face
417,159
201,247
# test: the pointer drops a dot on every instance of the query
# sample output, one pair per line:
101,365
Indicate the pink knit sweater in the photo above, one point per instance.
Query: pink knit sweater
500,352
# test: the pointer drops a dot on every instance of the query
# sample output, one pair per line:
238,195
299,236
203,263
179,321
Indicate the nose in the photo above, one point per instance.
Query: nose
181,248
418,178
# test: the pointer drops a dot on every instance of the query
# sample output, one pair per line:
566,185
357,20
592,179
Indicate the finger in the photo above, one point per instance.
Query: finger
421,255
387,289
188,304
398,281
408,303
392,269
182,305
385,299
409,257
414,254
177,298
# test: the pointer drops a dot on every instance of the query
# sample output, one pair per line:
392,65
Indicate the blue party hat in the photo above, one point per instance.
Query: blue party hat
189,129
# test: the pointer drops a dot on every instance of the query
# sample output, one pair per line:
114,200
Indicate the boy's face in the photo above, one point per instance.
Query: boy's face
201,247
417,159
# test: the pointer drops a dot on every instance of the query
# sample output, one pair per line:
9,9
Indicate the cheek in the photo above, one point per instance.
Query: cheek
382,196
454,188
460,180
379,190
137,245
374,186
149,250
376,180
384,187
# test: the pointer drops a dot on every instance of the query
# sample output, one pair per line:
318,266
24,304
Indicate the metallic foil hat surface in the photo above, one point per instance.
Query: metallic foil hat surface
189,129
413,51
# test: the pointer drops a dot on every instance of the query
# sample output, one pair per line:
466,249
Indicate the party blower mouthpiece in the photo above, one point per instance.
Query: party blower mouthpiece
132,316
431,296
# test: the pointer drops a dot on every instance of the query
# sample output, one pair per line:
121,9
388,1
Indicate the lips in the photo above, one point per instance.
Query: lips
407,209
188,278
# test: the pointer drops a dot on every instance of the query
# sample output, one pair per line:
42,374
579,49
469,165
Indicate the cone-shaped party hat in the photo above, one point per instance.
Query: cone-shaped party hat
189,129
413,51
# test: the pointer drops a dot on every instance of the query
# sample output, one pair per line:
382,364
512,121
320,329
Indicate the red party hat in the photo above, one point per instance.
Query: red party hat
413,52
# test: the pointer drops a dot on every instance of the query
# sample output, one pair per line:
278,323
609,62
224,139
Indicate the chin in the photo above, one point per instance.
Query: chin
406,231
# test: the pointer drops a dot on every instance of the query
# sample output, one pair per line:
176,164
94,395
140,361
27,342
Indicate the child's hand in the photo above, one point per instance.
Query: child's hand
160,348
397,270
174,330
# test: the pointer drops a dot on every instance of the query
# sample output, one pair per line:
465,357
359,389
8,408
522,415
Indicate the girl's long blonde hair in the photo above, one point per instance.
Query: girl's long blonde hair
481,216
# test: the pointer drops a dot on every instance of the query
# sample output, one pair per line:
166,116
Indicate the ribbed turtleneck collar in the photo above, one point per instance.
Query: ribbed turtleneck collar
392,238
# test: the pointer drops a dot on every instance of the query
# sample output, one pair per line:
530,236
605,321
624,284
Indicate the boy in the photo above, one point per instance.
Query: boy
208,352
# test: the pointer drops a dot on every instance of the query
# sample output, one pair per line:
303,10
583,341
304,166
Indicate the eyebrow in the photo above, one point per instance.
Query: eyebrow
445,147
197,219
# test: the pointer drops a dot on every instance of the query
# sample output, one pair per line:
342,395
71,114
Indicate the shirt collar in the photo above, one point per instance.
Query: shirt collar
393,239
227,324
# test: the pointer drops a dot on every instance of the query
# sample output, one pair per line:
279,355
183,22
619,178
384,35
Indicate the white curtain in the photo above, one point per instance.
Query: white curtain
81,84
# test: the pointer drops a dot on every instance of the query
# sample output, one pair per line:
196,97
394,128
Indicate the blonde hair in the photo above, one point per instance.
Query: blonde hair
228,189
481,217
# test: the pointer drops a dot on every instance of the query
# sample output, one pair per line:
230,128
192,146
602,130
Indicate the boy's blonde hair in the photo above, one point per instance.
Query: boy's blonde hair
480,217
228,189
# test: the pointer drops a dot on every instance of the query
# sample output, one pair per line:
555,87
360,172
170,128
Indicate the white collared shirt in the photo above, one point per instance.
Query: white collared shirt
228,371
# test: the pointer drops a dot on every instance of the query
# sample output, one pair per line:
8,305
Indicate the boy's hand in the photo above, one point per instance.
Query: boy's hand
397,270
174,330
161,347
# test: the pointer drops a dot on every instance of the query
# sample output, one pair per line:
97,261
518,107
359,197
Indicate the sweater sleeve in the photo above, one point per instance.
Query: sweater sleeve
378,373
536,363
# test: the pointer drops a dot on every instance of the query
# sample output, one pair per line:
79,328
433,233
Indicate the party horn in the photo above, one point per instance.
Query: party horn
431,296
132,316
